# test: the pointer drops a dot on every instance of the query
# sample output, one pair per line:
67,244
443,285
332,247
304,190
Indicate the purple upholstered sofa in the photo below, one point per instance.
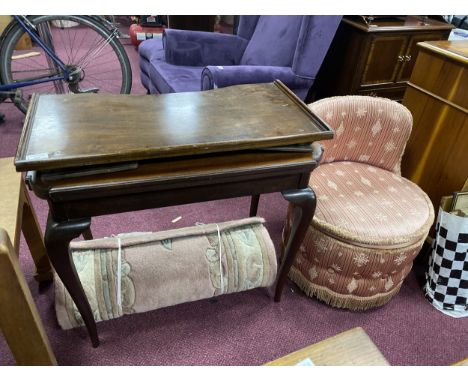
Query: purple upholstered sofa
266,48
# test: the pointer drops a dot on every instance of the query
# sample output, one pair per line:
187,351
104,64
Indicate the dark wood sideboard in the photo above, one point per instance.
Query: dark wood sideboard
375,56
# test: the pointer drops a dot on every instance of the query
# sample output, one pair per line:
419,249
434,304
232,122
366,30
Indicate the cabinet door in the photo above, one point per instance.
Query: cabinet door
383,62
412,51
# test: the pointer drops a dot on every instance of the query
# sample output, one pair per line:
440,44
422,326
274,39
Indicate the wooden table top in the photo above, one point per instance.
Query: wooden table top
456,50
350,348
71,130
381,24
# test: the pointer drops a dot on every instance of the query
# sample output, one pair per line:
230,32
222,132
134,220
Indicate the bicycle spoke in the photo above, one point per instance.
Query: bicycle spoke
82,55
110,74
36,70
100,64
29,63
101,79
91,45
36,78
77,49
61,27
45,85
93,56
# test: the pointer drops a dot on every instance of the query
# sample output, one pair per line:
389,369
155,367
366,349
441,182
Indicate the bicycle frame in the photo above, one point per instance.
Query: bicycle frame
31,30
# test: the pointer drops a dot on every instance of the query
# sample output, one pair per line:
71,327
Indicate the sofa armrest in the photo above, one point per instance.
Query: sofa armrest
194,48
221,76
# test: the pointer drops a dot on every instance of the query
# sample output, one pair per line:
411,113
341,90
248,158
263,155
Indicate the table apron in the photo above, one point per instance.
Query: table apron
138,199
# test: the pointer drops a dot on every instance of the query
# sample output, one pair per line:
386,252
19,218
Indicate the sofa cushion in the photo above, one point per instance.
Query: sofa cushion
166,78
364,205
175,79
271,42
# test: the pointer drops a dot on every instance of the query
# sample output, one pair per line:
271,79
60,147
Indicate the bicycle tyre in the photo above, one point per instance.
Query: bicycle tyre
111,45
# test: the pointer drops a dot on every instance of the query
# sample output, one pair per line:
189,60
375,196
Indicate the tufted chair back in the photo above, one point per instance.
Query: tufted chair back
369,130
274,41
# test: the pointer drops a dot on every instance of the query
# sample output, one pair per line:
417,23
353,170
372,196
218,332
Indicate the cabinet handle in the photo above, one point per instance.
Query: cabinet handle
401,58
408,58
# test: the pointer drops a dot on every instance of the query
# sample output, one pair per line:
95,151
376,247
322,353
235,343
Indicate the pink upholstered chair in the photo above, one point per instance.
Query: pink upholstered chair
370,223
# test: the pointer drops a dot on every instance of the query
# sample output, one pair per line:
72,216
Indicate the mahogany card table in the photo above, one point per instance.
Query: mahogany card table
96,154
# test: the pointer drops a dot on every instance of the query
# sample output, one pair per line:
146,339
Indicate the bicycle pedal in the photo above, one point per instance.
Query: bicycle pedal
17,99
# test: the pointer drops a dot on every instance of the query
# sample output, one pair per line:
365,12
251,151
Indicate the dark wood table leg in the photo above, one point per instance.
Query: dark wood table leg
87,234
303,202
254,205
57,239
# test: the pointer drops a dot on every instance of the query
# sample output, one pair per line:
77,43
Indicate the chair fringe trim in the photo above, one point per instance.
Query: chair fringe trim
339,300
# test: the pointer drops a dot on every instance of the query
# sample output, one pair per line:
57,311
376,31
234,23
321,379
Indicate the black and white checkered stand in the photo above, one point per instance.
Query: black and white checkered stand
447,276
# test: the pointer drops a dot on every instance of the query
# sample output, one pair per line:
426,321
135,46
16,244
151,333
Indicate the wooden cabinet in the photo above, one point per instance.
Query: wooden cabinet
374,57
436,156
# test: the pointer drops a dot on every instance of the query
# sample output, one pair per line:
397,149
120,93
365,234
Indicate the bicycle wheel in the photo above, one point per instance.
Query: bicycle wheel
90,51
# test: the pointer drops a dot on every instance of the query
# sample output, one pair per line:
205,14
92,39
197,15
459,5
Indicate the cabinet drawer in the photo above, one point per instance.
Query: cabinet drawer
395,93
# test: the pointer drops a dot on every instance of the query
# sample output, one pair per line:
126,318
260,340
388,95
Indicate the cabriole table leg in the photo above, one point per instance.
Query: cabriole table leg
57,239
303,202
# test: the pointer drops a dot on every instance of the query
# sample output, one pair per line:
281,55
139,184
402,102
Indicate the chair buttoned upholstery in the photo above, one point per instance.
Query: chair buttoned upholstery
370,223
